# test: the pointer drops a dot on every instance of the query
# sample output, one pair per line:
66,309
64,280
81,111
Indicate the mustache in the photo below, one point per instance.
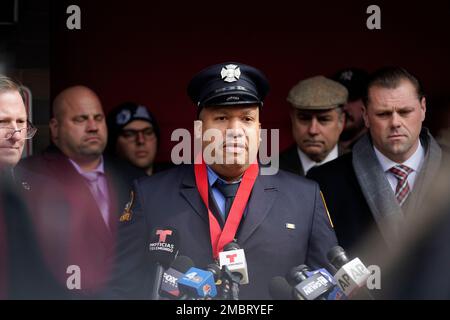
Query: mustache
92,135
241,144
312,141
397,132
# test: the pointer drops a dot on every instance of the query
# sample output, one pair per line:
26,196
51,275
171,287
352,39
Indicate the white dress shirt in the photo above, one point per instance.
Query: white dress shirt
414,162
307,163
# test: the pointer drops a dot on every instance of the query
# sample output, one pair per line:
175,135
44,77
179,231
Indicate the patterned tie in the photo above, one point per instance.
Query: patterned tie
229,192
401,172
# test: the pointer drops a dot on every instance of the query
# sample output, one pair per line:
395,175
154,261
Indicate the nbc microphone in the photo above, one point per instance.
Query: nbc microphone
197,284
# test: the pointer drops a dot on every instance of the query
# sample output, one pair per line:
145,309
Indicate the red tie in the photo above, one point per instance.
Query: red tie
401,172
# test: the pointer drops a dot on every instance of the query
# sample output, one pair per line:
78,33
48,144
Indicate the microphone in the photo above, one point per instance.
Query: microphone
234,258
163,249
198,283
280,289
297,275
234,269
351,276
217,273
314,285
169,283
305,284
336,293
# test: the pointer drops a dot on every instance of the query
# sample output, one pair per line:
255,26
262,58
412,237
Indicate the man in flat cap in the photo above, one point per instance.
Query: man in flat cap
224,197
317,121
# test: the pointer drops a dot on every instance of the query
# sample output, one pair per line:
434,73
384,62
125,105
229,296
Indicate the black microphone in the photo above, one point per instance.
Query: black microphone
163,249
297,275
310,285
222,282
169,283
280,289
215,270
351,275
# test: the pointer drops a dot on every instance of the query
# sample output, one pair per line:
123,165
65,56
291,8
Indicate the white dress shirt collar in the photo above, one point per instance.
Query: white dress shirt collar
307,163
414,162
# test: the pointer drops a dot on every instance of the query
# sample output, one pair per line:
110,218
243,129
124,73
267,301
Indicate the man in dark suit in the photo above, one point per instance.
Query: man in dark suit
317,121
380,187
267,221
23,272
78,228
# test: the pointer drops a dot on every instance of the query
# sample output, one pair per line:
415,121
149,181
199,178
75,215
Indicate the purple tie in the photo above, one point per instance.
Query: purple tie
97,184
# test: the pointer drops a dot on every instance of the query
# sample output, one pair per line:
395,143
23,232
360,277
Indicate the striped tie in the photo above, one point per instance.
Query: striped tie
401,172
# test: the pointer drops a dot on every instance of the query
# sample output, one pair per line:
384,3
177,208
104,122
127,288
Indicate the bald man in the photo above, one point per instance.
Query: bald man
78,127
94,189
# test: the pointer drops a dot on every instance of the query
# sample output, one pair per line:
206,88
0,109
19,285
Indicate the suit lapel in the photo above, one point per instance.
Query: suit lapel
261,201
427,174
78,190
190,193
292,161
377,191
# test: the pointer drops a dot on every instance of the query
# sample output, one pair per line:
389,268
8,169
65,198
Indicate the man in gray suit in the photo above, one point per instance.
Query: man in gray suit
382,184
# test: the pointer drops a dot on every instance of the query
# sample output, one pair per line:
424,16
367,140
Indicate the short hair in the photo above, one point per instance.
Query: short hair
390,78
8,84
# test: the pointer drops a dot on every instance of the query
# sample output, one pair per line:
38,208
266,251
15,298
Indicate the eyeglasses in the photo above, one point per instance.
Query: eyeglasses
131,134
26,133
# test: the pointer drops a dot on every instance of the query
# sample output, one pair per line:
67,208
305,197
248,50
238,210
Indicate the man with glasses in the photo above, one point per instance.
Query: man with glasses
14,125
134,136
23,273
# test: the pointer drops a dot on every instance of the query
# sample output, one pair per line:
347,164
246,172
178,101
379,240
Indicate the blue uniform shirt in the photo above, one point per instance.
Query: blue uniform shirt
218,196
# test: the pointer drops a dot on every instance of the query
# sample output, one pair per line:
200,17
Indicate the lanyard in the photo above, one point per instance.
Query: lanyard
220,238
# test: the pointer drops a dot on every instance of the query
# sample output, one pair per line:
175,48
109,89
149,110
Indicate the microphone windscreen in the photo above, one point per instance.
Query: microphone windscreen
164,246
182,264
280,289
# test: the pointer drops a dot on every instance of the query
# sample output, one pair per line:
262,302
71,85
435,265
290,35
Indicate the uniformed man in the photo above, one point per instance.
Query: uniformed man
261,212
317,121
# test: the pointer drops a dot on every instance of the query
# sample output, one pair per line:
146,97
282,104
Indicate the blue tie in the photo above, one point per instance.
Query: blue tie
229,192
